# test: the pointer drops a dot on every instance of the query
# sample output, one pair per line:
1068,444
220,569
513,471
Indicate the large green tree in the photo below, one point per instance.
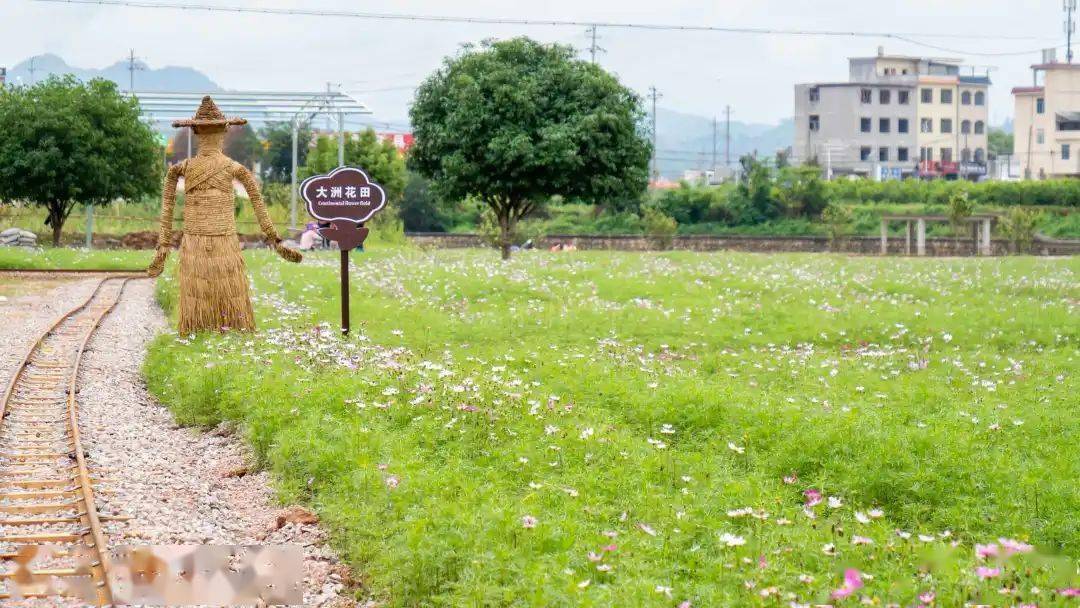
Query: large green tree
999,143
516,122
277,150
64,142
379,159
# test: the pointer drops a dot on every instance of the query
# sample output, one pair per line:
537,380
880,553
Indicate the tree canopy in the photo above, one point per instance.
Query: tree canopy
379,159
516,122
277,150
64,142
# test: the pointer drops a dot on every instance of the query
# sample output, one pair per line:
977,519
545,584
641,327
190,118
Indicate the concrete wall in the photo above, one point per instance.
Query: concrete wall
761,244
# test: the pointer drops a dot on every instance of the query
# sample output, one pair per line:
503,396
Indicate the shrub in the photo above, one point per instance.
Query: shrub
1018,226
660,227
960,208
837,219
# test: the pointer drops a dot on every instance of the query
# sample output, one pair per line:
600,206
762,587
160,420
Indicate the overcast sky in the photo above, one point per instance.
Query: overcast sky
696,72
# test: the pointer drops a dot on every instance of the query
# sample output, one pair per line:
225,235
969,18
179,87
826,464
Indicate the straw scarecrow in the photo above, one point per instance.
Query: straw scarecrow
213,278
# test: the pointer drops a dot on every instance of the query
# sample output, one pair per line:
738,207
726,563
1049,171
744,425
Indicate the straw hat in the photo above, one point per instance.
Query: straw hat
209,115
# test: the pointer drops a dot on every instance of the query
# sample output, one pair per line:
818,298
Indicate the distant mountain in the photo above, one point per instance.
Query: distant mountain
685,141
168,78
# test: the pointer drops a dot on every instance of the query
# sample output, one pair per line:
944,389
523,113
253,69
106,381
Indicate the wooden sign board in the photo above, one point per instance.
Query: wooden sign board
342,201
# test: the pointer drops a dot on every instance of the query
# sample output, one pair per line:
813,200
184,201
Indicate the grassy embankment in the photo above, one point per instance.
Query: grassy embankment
600,429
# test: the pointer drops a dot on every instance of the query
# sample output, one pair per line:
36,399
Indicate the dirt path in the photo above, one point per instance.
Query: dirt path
180,486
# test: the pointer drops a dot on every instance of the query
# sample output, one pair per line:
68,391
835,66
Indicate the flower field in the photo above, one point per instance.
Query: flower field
683,430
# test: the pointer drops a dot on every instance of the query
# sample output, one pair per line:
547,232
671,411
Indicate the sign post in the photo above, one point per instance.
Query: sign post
342,201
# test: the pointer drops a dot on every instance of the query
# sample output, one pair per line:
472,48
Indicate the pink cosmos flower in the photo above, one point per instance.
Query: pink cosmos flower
984,572
852,583
1014,546
928,597
985,551
1069,592
790,479
528,521
813,497
392,481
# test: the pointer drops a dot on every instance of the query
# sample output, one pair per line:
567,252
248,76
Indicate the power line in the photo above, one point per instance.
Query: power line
904,36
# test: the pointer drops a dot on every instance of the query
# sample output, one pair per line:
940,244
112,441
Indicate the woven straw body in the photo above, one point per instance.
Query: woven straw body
213,285
213,278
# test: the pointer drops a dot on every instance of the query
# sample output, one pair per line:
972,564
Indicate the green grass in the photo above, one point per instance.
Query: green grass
640,406
20,258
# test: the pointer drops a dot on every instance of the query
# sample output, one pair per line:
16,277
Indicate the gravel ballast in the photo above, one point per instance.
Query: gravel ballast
178,485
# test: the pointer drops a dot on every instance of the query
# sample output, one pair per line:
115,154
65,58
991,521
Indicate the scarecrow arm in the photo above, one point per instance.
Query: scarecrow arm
241,173
168,202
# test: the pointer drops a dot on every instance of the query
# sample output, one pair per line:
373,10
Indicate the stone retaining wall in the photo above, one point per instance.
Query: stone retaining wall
866,245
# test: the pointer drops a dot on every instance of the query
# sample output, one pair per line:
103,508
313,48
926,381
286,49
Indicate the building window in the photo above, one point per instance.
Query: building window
946,125
980,98
902,155
883,155
815,122
1068,122
902,97
946,155
1040,136
864,153
927,95
965,155
1065,151
926,154
815,94
979,127
866,95
926,125
965,126
865,125
946,95
980,155
901,125
884,96
883,125
965,98
1040,106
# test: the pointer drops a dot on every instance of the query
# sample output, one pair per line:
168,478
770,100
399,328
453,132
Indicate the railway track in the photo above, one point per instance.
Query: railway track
46,487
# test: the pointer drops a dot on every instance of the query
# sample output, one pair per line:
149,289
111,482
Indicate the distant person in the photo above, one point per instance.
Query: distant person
310,237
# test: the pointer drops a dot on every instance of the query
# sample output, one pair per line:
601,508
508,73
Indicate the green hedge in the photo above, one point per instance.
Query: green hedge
1059,193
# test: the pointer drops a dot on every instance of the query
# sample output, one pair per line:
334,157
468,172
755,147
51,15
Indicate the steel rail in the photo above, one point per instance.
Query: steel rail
90,532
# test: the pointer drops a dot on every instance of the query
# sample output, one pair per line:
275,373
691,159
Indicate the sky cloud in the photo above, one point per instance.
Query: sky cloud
382,60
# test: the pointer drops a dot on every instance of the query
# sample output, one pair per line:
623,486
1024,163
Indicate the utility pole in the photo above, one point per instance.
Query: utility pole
654,95
714,144
727,136
1070,28
590,33
32,69
132,68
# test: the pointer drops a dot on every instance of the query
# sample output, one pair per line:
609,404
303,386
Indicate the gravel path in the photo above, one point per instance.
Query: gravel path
179,486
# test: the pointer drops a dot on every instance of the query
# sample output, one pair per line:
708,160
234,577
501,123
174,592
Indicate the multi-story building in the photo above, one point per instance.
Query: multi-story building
896,117
1047,122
